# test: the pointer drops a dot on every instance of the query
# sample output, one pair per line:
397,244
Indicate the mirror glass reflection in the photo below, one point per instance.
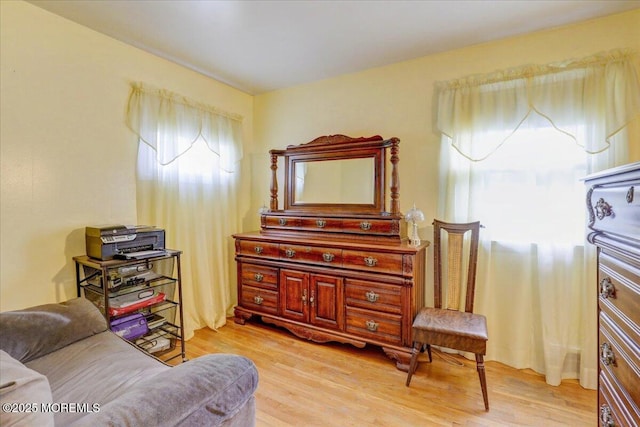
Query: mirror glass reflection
335,181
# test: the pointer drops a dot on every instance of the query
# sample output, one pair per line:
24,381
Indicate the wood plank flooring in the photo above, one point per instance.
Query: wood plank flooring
308,384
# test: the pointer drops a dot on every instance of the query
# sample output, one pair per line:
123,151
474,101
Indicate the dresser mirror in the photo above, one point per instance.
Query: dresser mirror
334,182
337,174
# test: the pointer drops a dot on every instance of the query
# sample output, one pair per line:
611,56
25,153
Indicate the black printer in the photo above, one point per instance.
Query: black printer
124,241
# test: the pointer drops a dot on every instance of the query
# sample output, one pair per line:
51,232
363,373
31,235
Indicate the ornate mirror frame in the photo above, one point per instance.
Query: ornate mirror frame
339,147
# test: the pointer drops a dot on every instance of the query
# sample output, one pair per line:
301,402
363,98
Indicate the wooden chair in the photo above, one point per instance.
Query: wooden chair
448,326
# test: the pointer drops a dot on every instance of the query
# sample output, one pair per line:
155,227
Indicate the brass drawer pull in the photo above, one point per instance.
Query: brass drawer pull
321,223
370,261
606,288
365,226
606,419
603,209
371,296
258,249
606,355
282,221
290,253
258,299
371,325
258,277
327,257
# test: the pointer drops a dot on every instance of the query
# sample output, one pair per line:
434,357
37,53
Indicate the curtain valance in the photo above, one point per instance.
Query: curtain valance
566,95
170,124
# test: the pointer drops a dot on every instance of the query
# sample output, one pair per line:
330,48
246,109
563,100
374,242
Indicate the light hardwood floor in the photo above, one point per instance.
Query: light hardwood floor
308,384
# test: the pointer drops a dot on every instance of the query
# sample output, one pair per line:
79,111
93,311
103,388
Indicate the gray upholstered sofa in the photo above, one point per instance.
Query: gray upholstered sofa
60,365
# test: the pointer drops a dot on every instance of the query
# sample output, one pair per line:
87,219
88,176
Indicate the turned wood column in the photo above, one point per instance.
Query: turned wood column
395,180
273,203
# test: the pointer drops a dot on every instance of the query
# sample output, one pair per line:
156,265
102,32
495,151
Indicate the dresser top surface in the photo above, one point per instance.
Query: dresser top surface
384,246
631,169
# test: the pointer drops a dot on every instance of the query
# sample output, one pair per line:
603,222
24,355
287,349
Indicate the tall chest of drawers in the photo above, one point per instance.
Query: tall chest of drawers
323,290
613,205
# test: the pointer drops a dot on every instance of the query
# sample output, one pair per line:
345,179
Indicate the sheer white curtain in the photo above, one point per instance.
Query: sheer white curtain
186,183
515,145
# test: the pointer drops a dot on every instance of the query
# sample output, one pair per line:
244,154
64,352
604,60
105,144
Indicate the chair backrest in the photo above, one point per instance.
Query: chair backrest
455,249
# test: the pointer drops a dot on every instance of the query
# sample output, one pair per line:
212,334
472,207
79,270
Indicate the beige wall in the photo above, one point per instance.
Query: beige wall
68,160
397,101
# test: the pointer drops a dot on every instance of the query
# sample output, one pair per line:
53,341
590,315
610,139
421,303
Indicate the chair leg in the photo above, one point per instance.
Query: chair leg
483,380
413,364
429,352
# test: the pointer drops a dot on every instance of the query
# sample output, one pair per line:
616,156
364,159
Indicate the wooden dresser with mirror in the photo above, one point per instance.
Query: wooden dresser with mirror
332,263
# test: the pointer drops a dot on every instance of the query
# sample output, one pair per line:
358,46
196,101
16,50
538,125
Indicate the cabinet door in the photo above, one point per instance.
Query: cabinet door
294,286
325,298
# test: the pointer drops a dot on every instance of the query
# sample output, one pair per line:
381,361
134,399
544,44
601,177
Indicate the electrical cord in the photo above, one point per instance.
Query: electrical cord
447,357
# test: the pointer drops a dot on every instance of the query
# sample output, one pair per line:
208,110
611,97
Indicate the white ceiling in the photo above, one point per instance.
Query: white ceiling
259,46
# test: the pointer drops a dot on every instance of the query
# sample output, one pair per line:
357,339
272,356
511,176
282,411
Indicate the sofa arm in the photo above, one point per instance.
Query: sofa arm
33,332
204,391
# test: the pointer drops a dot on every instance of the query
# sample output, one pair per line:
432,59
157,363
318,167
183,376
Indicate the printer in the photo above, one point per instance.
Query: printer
121,241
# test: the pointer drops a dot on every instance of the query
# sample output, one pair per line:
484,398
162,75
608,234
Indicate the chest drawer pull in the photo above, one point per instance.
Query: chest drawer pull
603,209
630,195
606,288
606,355
282,221
258,277
327,257
371,296
365,226
371,325
320,223
258,299
290,253
606,419
258,249
370,261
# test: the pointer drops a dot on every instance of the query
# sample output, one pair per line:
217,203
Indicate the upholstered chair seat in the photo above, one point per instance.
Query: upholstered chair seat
451,329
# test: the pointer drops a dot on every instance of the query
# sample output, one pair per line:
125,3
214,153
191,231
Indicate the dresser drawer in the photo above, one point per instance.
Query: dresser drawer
259,276
620,357
372,261
374,325
614,404
259,299
371,226
256,248
321,224
311,254
278,221
619,293
373,296
615,207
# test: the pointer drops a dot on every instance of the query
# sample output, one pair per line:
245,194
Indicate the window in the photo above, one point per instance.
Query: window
187,155
505,163
529,190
